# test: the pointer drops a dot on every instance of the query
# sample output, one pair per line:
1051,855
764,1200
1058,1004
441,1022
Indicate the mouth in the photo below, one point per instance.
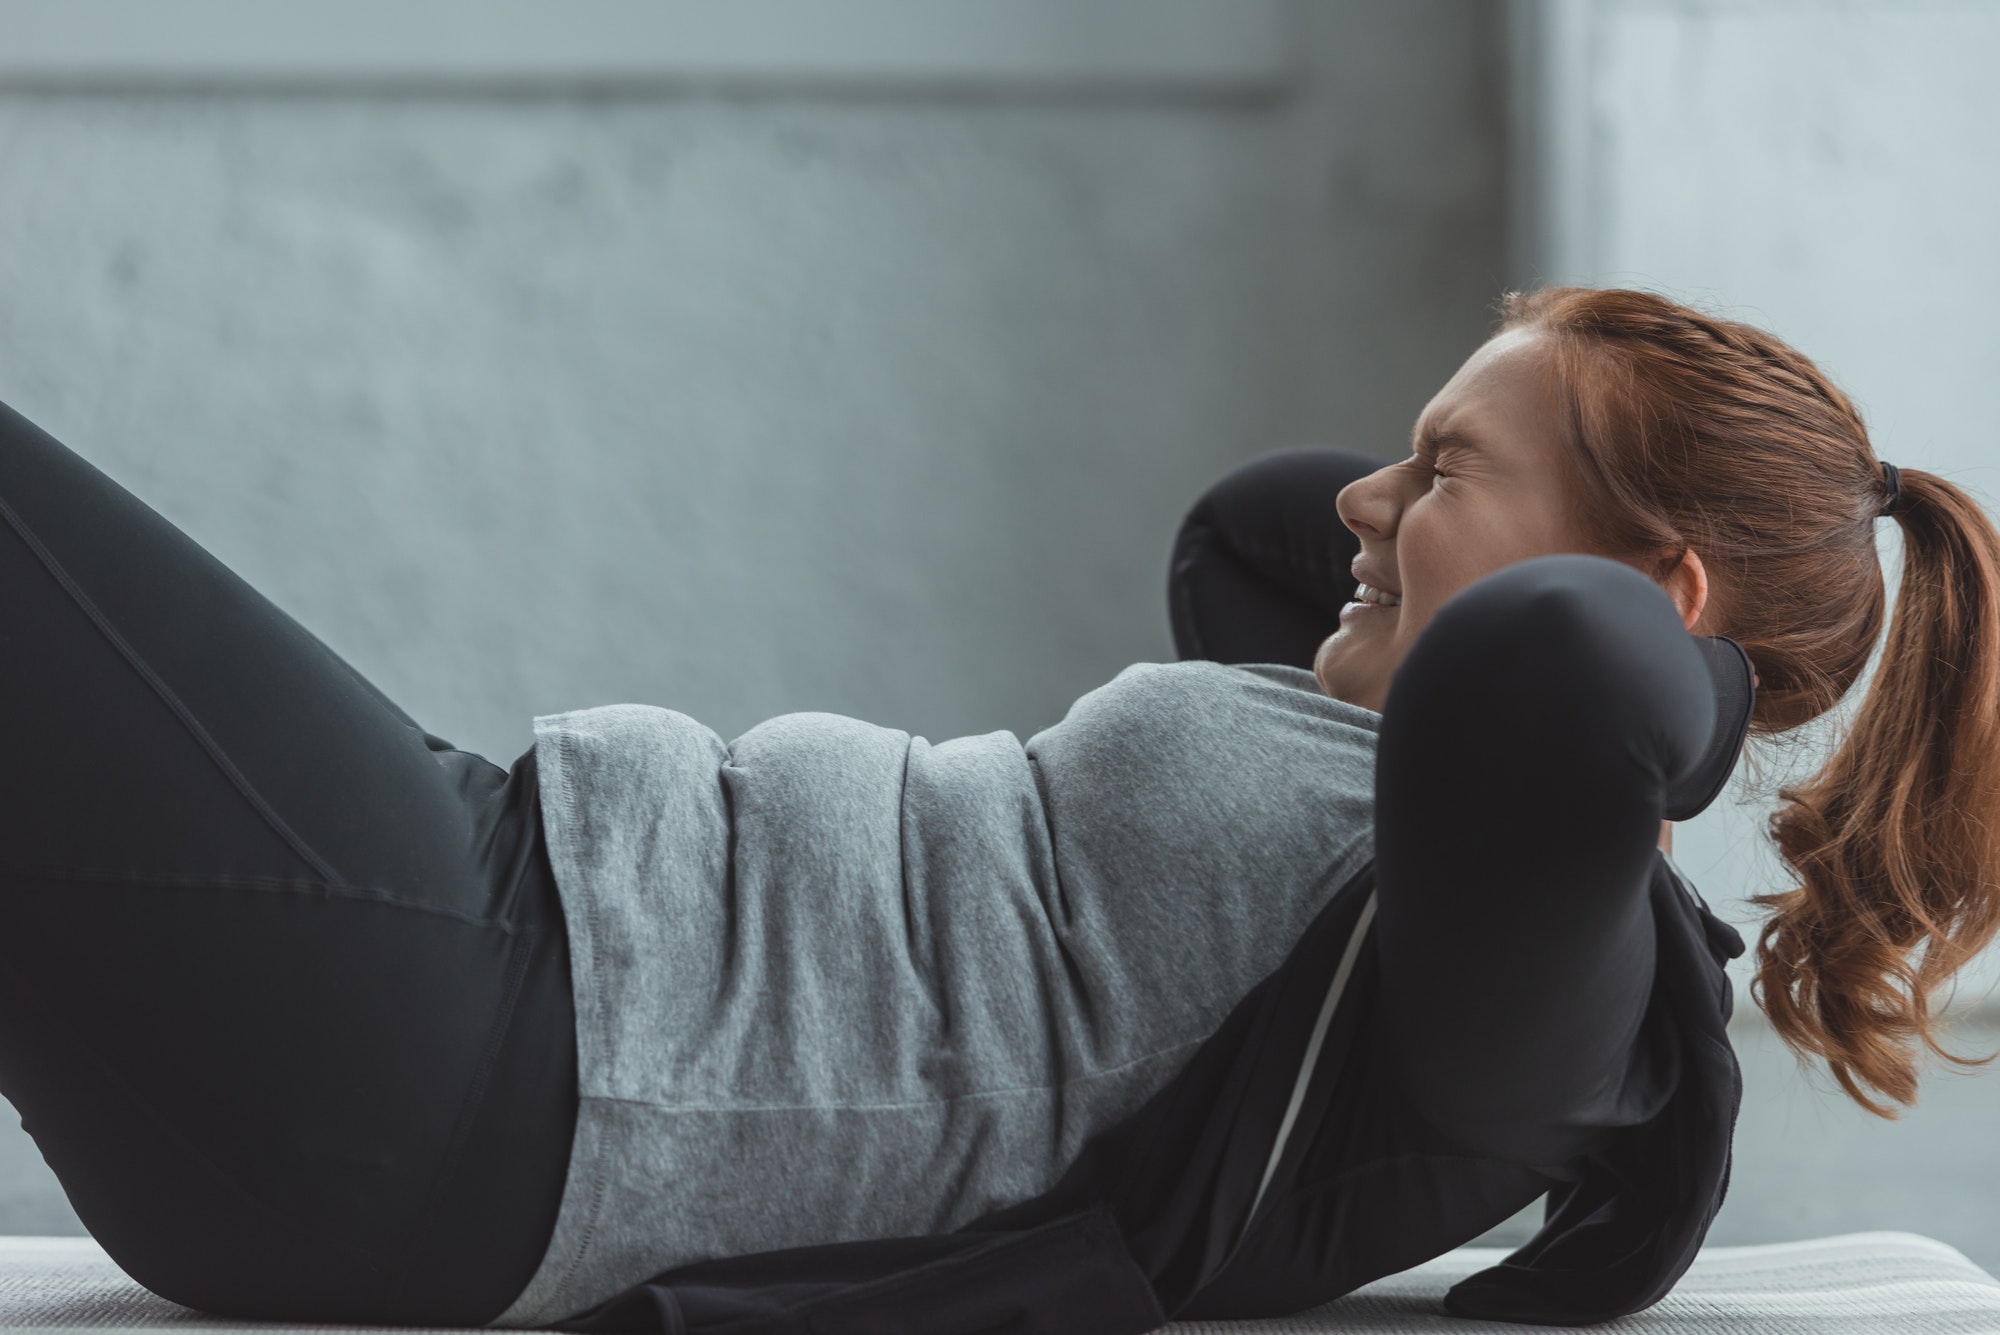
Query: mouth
1369,593
1369,601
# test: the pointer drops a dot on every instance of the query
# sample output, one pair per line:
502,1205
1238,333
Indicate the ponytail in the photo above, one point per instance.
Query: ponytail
1688,430
1897,839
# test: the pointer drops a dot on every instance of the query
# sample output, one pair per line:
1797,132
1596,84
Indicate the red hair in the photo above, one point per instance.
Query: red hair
1684,430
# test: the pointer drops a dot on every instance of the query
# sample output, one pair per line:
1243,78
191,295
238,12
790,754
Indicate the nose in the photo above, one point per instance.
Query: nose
1371,505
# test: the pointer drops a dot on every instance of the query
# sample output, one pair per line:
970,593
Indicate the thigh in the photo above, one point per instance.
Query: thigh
263,940
164,716
1527,748
1259,571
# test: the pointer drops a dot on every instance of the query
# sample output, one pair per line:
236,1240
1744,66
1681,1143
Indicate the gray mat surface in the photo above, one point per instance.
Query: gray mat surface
1859,1282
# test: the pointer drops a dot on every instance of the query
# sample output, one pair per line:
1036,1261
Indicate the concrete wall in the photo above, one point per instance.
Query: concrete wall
742,404
739,402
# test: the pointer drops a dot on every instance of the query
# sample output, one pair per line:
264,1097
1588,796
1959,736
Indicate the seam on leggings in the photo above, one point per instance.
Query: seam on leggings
173,702
233,881
145,1108
469,1104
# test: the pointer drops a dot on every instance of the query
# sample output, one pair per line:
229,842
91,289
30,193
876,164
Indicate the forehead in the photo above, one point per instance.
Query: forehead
1504,396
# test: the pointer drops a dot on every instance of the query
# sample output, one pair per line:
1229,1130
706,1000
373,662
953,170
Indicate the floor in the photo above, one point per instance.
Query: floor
1808,1163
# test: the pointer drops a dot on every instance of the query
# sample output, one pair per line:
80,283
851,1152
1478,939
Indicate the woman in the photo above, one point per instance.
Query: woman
1238,988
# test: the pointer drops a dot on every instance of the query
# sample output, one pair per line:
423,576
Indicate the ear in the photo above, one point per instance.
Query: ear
1687,585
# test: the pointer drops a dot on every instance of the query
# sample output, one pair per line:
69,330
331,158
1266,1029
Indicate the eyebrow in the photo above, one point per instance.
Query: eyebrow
1437,439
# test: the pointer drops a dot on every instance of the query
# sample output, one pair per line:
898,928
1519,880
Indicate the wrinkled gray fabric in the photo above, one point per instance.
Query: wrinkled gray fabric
835,982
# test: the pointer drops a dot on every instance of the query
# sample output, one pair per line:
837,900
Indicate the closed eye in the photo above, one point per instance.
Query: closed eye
1431,445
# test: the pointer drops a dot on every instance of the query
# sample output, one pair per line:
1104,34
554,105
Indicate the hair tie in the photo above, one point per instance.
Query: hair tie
1892,478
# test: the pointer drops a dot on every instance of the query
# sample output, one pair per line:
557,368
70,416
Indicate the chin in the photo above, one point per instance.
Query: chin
1350,681
1320,665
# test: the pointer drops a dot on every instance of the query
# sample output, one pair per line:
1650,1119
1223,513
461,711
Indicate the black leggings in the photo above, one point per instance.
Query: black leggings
284,987
1531,743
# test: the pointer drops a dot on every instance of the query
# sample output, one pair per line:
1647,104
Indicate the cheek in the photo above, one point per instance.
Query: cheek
1447,558
1435,562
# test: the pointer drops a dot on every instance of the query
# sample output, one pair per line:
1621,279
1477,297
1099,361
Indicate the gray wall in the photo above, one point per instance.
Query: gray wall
743,404
739,403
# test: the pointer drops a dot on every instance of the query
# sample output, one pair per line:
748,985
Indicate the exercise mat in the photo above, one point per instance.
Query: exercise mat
1858,1282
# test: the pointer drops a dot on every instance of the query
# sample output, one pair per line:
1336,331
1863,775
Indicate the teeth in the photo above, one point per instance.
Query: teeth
1368,593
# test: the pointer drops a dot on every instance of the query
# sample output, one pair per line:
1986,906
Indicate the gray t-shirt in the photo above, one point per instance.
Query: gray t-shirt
834,982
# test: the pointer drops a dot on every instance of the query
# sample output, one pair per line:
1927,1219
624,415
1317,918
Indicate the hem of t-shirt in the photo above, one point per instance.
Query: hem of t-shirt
584,1179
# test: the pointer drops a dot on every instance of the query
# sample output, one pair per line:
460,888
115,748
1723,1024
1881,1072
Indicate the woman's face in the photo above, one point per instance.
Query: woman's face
1483,488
